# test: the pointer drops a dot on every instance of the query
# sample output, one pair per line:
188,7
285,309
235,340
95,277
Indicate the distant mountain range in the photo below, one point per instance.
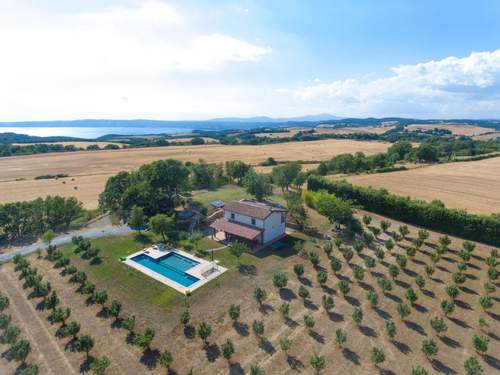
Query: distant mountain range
264,119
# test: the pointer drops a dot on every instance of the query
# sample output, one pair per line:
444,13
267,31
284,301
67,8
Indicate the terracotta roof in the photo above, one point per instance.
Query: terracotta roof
258,210
236,229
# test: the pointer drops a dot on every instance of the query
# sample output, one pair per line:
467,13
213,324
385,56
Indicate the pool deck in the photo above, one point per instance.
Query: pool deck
204,271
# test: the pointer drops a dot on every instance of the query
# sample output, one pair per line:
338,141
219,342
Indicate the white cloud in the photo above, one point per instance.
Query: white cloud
116,50
448,87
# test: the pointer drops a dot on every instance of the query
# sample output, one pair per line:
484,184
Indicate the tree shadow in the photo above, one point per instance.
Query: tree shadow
492,361
467,290
420,308
393,297
382,313
266,345
85,365
441,367
335,317
385,371
493,315
308,304
443,269
428,293
409,272
493,336
459,322
415,327
305,281
352,300
365,286
316,336
448,259
470,276
462,304
189,332
294,363
236,369
401,346
291,323
241,328
266,308
247,269
327,289
436,280
367,331
150,358
142,238
448,341
287,294
351,356
418,261
401,283
212,352
96,261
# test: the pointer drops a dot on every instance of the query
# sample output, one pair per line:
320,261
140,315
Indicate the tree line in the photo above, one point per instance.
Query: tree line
433,215
32,218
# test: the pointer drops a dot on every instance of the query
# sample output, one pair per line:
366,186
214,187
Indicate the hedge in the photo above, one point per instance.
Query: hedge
433,215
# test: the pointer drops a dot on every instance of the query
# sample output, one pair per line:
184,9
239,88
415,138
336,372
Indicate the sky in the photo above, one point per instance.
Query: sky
190,60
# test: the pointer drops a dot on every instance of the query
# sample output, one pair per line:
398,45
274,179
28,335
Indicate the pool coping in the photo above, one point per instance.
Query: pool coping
196,271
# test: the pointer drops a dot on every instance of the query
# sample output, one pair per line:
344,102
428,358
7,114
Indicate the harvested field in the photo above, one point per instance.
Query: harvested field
467,130
473,185
324,129
210,304
91,169
352,130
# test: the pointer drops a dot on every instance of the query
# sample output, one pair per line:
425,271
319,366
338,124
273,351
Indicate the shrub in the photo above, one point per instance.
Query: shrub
447,307
100,365
285,309
343,286
357,315
390,328
480,343
303,292
340,337
298,269
258,328
227,349
429,348
472,366
280,280
403,310
377,356
438,325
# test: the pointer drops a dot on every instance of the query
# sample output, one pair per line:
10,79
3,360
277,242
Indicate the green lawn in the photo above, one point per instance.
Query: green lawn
225,193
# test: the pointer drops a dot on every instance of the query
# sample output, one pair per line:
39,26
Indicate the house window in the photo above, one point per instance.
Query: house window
232,216
253,221
282,218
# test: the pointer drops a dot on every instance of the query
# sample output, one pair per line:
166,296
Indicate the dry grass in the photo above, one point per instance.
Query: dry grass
91,169
351,130
211,304
467,130
474,186
325,129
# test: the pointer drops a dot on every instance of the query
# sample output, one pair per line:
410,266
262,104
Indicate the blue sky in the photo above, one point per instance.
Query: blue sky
200,59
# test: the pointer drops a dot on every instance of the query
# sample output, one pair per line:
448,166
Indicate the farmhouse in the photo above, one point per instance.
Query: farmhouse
252,222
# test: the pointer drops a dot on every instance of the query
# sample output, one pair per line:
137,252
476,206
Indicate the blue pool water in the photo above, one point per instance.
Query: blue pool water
172,266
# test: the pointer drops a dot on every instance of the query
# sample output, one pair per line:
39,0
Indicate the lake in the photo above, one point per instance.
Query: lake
90,132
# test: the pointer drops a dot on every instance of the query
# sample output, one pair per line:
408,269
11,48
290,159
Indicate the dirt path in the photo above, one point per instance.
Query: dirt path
52,359
100,228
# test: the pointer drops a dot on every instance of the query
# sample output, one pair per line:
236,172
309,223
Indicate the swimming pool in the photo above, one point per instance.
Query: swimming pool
172,266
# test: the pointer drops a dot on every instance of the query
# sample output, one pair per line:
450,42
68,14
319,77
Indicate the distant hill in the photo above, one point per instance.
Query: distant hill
265,119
